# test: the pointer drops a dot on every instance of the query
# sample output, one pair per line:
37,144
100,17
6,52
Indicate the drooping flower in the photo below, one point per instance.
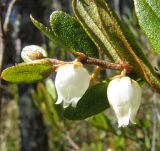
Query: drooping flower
72,81
33,52
124,95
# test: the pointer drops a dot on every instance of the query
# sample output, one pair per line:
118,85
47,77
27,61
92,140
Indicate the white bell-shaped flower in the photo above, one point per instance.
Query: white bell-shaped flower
33,52
72,81
124,95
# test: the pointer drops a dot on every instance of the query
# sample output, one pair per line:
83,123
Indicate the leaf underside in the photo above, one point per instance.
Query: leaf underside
27,72
103,27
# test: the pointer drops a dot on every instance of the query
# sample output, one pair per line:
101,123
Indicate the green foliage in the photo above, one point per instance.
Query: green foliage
45,30
99,22
106,32
93,102
102,26
27,72
149,19
51,90
45,101
100,121
70,32
66,30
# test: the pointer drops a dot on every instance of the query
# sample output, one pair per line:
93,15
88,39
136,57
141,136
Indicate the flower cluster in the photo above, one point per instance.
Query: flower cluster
124,93
72,81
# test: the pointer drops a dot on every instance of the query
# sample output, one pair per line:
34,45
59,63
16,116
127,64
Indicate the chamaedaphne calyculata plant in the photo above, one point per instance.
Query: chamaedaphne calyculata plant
94,30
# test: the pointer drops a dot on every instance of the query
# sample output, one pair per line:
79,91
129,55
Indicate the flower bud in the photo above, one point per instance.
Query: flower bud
124,95
33,52
72,81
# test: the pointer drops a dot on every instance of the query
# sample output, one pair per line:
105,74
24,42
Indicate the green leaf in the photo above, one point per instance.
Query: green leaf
27,72
103,27
97,19
93,102
41,101
72,35
148,13
50,109
45,30
36,99
50,87
100,121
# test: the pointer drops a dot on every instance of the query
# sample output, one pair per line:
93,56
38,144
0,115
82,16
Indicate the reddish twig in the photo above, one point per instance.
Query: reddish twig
103,64
106,64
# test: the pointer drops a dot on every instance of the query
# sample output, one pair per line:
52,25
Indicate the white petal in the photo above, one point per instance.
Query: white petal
123,115
134,105
71,83
124,95
59,100
132,116
75,101
118,91
65,104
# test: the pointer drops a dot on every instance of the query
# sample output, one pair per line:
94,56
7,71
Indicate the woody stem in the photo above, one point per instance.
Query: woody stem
103,64
106,64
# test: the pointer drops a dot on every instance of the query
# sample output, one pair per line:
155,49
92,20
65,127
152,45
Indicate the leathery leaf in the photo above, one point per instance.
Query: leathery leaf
101,24
68,30
27,72
148,15
45,30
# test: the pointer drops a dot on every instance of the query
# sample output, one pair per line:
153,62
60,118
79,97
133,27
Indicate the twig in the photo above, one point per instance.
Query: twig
72,143
157,113
1,46
8,14
154,136
107,64
93,61
117,6
1,61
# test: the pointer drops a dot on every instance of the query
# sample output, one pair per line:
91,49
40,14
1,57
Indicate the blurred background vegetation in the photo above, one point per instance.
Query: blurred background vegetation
29,120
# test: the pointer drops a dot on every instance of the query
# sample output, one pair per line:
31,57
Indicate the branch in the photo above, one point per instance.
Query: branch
93,61
1,46
8,14
106,64
1,61
154,136
72,143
